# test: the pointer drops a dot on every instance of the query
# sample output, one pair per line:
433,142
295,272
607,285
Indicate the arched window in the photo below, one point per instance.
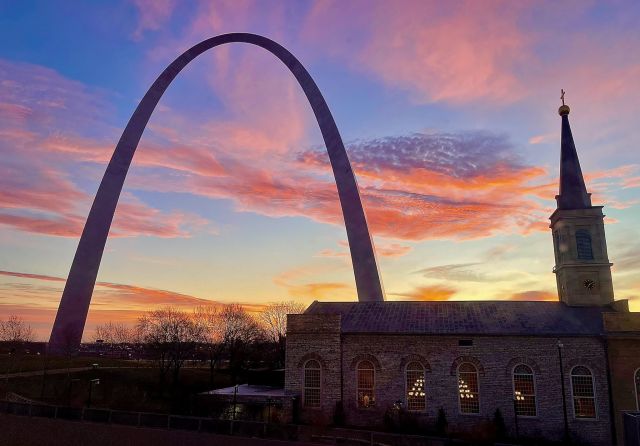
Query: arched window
311,389
583,244
468,391
416,396
584,400
524,391
637,382
366,380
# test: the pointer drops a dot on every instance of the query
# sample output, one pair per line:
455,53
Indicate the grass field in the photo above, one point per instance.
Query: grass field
27,363
137,389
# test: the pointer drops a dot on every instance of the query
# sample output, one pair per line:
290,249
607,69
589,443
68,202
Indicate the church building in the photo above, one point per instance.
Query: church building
555,370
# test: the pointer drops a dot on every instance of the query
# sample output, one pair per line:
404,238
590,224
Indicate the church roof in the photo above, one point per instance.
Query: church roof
573,192
465,317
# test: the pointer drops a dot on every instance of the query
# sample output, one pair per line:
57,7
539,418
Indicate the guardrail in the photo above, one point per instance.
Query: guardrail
291,432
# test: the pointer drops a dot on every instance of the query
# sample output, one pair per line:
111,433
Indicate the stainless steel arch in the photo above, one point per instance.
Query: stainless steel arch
76,297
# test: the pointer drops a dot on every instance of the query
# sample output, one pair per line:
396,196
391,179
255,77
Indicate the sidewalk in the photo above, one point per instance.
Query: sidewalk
41,372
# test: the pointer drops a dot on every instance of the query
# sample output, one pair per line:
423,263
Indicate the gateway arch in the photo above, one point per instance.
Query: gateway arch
76,297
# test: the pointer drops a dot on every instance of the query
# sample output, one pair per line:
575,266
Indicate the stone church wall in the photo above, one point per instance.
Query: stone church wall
313,337
494,357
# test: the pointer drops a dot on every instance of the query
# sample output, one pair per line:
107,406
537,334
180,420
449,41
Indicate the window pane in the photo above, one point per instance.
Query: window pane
469,396
416,396
524,391
366,384
584,404
311,390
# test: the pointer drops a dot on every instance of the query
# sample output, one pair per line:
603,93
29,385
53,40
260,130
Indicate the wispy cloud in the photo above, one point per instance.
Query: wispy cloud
37,303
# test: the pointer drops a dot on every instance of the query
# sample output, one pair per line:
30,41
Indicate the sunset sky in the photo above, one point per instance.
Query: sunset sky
448,111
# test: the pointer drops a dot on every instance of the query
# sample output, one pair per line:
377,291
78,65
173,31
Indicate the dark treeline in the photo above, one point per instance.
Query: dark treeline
224,337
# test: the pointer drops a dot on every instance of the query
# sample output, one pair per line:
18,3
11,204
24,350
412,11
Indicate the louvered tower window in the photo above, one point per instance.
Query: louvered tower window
583,244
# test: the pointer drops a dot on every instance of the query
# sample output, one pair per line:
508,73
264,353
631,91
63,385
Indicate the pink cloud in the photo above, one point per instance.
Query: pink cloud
439,51
152,14
416,187
37,193
631,182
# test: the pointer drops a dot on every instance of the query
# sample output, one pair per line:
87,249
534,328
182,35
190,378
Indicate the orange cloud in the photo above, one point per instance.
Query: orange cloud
534,295
429,292
300,284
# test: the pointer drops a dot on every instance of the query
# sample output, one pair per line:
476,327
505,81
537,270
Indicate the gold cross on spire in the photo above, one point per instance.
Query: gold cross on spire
562,96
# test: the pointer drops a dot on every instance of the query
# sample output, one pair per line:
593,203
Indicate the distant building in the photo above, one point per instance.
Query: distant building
471,358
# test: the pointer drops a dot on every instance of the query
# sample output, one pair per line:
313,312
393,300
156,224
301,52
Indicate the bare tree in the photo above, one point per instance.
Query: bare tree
208,317
173,335
274,319
239,331
15,330
114,333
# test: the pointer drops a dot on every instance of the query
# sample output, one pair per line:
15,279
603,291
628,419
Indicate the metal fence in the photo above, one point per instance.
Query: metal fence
291,432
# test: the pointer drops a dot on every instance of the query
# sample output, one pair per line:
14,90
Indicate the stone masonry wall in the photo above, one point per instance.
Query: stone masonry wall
495,358
313,337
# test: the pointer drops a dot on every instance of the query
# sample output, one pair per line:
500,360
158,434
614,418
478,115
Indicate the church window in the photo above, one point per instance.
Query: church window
311,390
416,396
366,384
524,391
583,244
584,400
637,385
468,391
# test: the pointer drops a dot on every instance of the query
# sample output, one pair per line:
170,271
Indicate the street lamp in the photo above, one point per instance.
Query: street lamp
564,398
235,400
95,381
269,402
71,381
517,396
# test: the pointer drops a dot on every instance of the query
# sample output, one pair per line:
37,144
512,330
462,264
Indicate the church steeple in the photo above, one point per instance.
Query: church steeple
583,271
573,192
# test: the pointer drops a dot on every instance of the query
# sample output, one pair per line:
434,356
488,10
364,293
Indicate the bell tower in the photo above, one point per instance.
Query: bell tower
583,271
